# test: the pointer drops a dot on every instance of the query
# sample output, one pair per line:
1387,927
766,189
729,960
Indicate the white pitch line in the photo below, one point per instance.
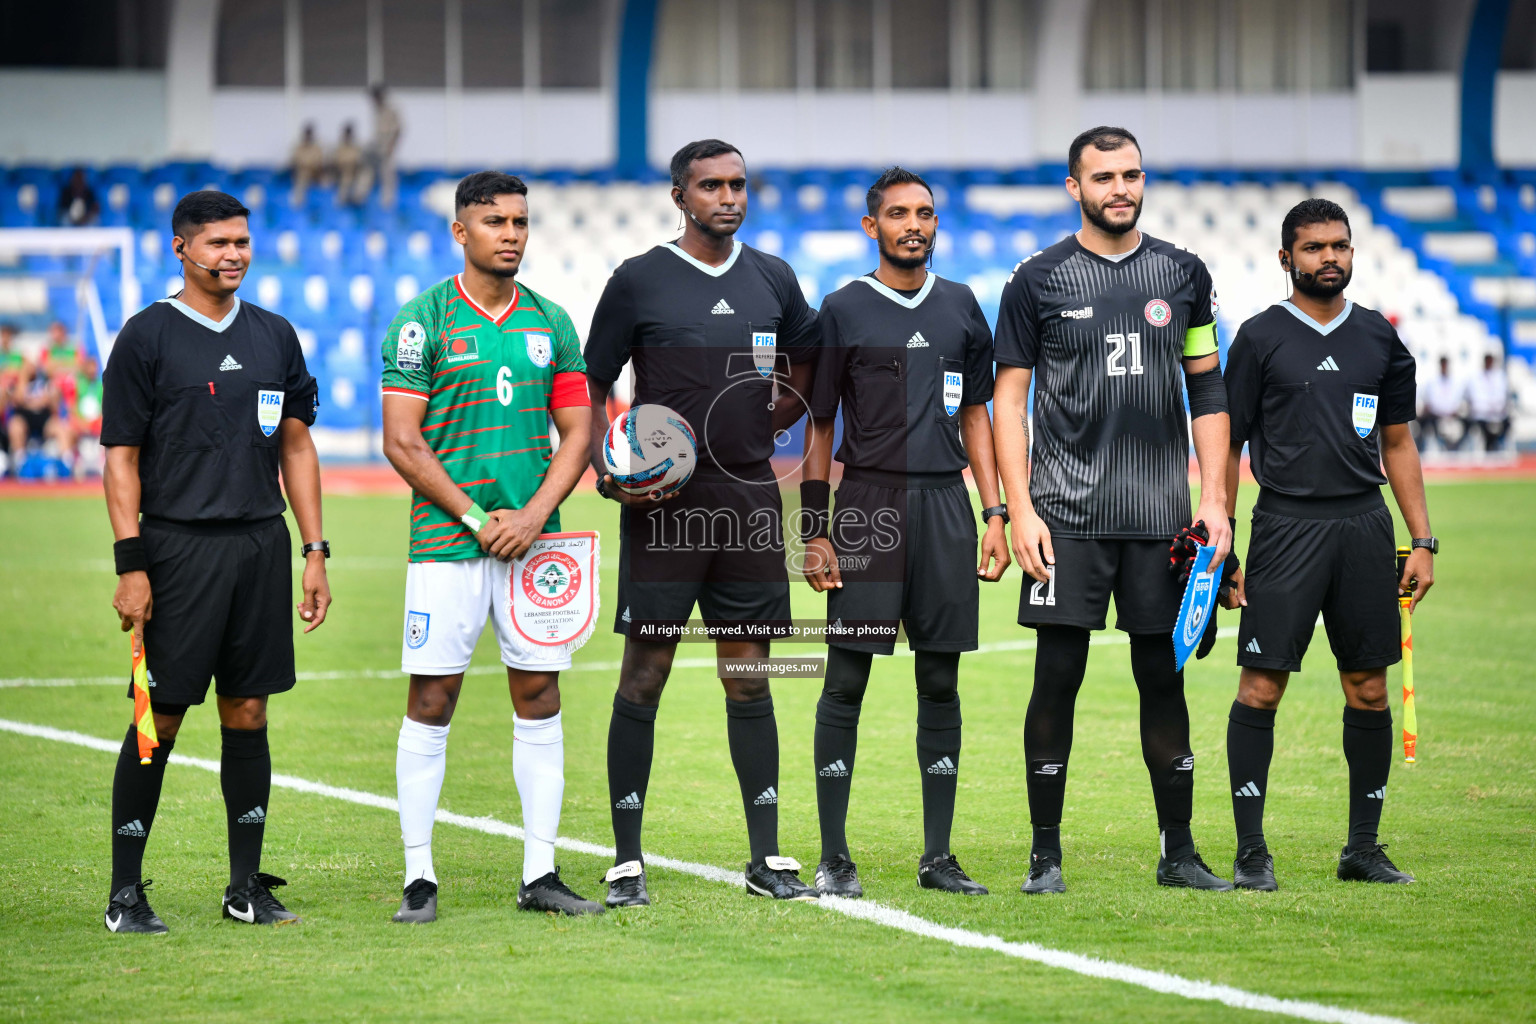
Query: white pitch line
863,910
1107,640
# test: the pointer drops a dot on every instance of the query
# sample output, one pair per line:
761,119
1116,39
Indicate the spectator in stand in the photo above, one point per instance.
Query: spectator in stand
78,207
1442,404
11,363
308,164
386,137
38,413
1488,403
348,159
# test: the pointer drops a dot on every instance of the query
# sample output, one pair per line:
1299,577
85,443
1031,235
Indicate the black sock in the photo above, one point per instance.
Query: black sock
135,795
1250,748
1165,740
1368,749
631,741
754,740
836,742
245,775
1061,658
938,744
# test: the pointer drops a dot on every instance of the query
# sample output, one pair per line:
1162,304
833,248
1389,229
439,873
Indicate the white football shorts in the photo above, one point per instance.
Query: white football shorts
446,605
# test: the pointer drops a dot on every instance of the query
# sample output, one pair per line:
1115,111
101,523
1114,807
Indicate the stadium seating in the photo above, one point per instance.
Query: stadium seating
1453,263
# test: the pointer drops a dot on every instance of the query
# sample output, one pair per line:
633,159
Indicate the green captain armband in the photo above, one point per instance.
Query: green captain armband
1200,341
475,518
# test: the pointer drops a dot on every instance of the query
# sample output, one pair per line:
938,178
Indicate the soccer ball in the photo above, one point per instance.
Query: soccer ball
651,450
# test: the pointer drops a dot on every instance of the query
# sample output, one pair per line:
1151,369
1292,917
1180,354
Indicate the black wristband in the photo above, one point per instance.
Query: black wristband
815,508
129,556
1233,563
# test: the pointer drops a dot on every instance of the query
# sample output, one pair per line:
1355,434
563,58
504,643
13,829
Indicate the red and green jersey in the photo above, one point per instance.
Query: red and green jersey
489,381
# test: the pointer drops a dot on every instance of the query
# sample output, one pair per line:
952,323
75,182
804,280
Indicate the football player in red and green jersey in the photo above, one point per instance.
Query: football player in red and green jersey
475,368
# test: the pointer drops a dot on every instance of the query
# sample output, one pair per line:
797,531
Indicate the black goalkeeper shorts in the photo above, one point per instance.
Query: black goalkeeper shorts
222,609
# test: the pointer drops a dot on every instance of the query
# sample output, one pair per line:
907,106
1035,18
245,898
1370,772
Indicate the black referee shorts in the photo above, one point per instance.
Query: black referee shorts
221,609
719,544
1338,558
1087,572
906,549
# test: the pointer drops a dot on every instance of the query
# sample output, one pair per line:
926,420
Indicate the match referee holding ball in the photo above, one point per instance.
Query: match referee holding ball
205,399
1322,390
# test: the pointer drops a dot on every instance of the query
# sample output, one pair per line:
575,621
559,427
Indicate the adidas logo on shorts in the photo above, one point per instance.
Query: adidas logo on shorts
943,766
1380,794
255,816
1249,789
134,828
1253,646
767,796
722,308
835,770
629,803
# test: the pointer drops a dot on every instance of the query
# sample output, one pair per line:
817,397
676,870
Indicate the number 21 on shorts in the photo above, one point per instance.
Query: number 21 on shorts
1044,592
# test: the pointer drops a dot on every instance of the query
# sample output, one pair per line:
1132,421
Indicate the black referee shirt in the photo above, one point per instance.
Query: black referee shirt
1106,340
1310,398
901,366
703,340
202,400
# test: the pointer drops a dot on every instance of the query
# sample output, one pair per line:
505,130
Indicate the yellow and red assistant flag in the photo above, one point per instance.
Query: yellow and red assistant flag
143,715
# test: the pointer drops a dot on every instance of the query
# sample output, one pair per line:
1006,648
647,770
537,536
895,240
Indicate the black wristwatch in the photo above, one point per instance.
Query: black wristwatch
323,546
1432,543
995,510
603,490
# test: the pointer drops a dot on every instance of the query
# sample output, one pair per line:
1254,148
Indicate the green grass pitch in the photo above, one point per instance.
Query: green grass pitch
1456,946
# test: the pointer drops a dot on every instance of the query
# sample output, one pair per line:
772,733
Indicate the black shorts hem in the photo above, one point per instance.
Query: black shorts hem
1092,626
163,694
1361,664
943,646
1272,664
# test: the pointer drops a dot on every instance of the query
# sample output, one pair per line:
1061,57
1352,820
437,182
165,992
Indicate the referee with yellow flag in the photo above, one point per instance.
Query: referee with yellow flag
205,400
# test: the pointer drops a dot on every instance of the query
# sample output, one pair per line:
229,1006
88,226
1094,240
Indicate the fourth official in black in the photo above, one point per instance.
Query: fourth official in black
1322,391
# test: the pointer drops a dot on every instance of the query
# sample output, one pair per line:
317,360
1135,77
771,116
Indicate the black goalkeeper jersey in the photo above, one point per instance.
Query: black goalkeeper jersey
901,366
705,342
1106,340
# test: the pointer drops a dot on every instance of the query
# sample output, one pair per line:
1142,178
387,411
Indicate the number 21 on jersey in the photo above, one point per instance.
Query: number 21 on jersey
1118,345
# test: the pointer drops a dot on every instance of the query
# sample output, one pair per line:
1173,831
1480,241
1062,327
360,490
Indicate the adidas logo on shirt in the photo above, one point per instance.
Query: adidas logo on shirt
722,308
1328,364
767,796
629,803
1380,794
943,766
230,364
1249,789
835,770
917,341
255,816
134,828
1253,646
625,616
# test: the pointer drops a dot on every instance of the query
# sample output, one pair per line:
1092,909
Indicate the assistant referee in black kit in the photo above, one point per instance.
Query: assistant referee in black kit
1322,390
908,357
205,399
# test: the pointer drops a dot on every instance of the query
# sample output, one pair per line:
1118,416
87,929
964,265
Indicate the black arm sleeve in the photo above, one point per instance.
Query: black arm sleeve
831,368
1018,339
1399,388
301,392
613,330
1243,378
798,336
128,389
978,358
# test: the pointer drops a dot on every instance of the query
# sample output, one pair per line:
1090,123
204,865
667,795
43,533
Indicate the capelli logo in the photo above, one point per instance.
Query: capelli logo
1086,313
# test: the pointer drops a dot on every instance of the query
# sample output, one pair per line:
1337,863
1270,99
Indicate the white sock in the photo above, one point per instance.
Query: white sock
420,760
538,765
